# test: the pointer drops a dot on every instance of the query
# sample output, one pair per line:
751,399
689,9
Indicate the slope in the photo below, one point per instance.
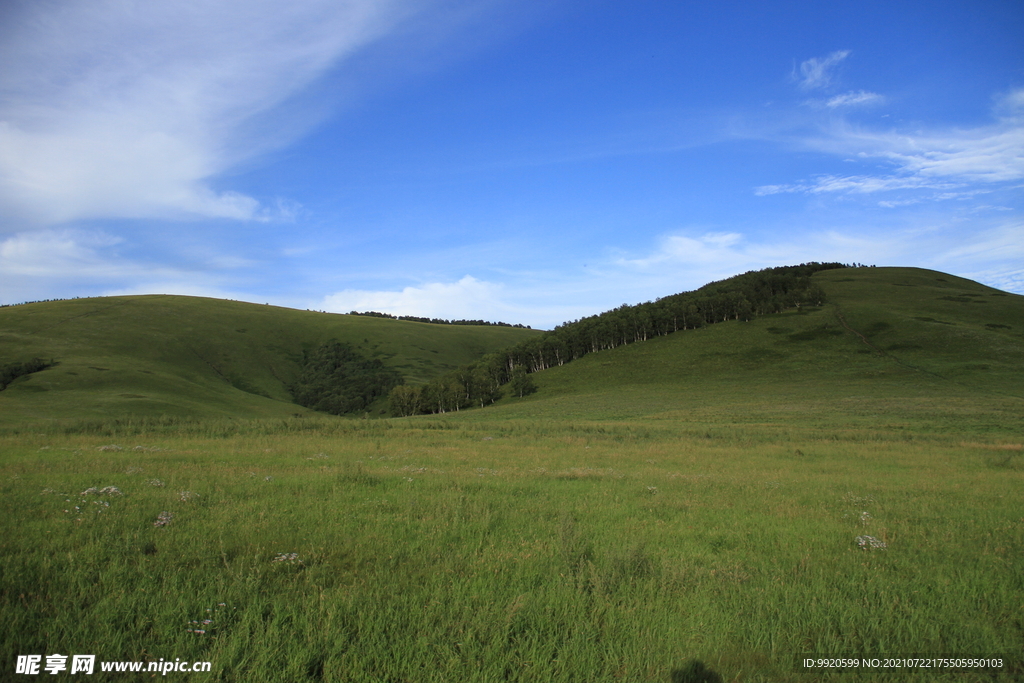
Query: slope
177,355
887,342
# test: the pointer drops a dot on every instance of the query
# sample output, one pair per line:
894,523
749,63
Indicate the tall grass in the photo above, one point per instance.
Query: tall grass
427,550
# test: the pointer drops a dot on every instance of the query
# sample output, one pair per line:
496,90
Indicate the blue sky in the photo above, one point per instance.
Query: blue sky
532,162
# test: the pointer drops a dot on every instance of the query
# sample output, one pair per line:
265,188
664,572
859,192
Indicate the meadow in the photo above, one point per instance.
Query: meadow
430,550
841,481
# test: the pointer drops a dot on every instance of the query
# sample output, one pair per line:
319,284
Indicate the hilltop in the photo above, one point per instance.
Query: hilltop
192,356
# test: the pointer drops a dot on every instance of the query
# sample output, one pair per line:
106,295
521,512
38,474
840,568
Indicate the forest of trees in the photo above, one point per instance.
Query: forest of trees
336,379
742,297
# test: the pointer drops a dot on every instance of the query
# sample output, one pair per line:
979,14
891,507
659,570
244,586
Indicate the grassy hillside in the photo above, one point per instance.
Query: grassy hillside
176,355
888,341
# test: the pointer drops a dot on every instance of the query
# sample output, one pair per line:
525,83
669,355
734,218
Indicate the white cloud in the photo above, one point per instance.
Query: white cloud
854,98
468,299
128,108
817,72
713,256
542,300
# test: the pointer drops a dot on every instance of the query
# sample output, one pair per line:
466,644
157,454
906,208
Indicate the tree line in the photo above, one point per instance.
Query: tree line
742,297
437,321
38,301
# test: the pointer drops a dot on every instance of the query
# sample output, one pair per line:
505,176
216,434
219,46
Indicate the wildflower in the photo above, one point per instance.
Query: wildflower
163,519
868,542
155,482
206,627
186,496
653,490
857,500
290,558
105,491
111,447
268,478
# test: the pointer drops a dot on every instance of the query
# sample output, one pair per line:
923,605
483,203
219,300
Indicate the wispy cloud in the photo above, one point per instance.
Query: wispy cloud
817,72
51,253
994,154
117,108
52,261
853,185
691,251
958,162
854,98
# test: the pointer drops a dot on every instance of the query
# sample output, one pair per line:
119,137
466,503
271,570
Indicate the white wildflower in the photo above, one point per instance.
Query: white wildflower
105,491
289,558
868,542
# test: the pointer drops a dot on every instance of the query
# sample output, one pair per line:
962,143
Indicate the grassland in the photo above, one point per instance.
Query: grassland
696,497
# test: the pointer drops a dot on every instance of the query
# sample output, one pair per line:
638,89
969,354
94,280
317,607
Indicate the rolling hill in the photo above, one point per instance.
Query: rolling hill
886,341
190,356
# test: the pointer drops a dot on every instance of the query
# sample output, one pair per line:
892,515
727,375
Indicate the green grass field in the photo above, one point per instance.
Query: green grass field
699,497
